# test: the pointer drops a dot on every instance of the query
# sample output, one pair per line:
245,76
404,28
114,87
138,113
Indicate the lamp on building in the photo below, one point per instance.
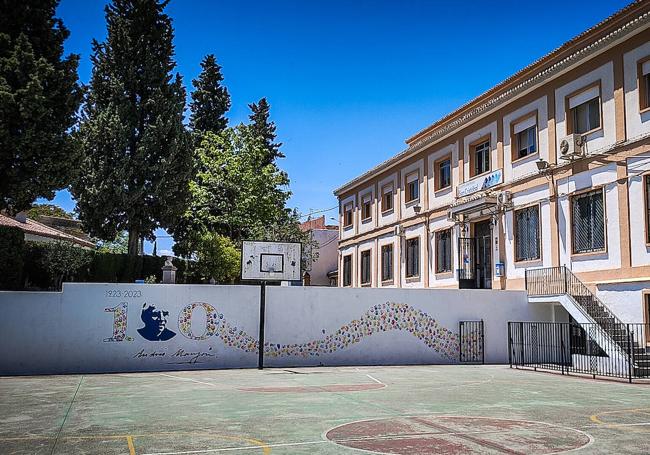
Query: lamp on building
417,208
542,165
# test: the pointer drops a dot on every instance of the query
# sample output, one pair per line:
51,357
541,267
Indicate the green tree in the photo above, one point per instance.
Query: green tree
39,97
39,210
119,245
231,193
210,99
265,129
217,257
137,158
63,261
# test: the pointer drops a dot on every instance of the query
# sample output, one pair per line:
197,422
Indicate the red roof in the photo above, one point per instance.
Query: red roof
35,228
317,223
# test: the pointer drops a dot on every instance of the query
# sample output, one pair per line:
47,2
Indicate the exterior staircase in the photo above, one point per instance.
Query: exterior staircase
629,338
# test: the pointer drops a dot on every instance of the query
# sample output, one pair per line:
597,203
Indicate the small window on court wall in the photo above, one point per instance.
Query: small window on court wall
443,251
443,173
387,198
412,257
366,208
481,157
526,142
584,110
647,209
365,267
412,187
527,238
347,270
347,215
588,216
644,84
387,263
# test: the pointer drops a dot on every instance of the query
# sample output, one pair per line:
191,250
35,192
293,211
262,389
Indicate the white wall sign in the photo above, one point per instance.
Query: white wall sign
480,183
271,261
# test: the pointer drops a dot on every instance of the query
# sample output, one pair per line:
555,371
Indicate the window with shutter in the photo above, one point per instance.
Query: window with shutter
387,263
412,257
443,251
527,235
588,213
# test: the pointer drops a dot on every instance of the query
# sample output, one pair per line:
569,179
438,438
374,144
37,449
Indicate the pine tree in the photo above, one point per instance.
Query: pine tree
265,129
39,97
210,99
137,158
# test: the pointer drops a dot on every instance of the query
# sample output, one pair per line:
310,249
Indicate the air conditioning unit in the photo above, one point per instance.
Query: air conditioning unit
504,198
571,147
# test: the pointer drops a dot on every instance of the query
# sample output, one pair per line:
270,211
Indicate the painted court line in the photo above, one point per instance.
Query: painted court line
188,379
230,449
376,380
129,441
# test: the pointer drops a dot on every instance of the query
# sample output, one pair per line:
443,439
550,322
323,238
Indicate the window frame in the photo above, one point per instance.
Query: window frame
569,114
643,86
365,219
473,146
437,270
343,271
391,247
436,173
407,187
363,254
347,205
514,137
415,276
391,198
539,233
572,199
646,201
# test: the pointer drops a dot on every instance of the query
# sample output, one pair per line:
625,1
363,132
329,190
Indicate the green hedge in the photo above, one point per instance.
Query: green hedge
12,256
103,267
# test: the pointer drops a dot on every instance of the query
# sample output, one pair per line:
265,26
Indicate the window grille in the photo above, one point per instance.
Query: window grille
347,270
527,234
588,222
443,251
365,267
387,263
412,257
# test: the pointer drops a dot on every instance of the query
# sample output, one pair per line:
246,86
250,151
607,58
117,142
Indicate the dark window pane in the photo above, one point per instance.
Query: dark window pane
443,251
365,267
387,262
588,222
412,258
347,270
527,234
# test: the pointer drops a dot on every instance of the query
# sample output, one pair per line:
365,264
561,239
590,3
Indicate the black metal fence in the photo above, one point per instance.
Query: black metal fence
594,349
471,341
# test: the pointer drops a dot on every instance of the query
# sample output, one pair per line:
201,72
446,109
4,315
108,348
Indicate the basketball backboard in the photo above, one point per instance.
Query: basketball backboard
271,261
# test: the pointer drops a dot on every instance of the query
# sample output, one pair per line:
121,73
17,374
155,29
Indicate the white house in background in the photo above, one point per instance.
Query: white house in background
327,236
39,232
549,169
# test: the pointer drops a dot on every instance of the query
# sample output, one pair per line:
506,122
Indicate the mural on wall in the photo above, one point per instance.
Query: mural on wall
155,324
382,317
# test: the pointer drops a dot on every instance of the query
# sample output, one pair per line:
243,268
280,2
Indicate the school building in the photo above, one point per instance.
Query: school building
549,170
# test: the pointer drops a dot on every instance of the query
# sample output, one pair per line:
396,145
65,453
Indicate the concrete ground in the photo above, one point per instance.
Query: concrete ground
403,410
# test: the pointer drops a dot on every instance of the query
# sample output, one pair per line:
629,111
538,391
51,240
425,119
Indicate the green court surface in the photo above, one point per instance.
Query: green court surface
346,410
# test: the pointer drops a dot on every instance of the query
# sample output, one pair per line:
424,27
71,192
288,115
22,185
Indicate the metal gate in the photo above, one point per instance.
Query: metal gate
471,341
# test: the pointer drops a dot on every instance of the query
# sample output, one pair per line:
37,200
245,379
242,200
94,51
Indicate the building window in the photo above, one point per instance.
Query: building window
443,173
644,84
647,209
347,270
443,251
586,116
527,234
526,142
588,213
412,187
481,155
387,263
347,215
366,208
387,198
412,257
365,267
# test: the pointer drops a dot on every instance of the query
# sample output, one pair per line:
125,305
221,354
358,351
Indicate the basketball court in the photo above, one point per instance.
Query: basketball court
399,410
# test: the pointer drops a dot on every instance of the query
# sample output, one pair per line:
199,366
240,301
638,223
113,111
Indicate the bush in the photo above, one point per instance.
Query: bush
12,251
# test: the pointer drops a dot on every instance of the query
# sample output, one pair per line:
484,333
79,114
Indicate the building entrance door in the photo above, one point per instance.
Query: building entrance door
483,239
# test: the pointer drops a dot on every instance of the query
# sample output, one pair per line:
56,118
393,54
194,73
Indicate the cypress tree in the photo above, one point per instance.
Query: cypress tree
210,99
39,97
265,130
137,160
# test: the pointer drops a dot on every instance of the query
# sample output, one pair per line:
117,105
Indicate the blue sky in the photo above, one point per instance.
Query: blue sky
349,81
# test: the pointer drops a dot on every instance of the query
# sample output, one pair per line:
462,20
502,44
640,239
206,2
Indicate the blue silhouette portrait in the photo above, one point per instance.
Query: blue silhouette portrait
155,321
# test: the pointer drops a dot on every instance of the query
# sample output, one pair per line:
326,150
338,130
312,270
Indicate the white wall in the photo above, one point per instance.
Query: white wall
624,299
70,332
327,256
636,168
